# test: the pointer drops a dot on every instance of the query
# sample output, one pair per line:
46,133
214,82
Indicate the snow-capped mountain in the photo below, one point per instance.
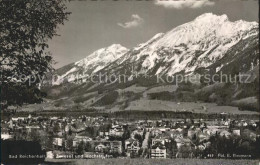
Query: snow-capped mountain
209,44
91,64
186,48
190,46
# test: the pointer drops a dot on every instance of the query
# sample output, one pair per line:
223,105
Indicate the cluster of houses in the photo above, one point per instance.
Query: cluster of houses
100,137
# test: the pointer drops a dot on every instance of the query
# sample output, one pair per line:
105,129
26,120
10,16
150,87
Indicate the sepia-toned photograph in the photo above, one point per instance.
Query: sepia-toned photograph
129,82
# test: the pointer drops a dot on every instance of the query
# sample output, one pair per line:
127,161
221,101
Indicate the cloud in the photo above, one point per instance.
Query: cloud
180,4
135,22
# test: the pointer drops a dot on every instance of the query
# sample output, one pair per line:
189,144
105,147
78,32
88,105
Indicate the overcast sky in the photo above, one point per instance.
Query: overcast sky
96,24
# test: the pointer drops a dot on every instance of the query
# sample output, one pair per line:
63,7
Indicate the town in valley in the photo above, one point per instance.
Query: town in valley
99,137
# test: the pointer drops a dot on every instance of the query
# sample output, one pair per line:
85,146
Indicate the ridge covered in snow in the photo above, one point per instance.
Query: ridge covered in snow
195,44
92,63
103,55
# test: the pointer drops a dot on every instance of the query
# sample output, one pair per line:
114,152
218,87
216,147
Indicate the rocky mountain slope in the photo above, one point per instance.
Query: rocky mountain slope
209,44
91,64
196,44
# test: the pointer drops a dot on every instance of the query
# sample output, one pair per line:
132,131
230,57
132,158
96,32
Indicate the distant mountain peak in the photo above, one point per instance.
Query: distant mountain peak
195,44
198,43
92,63
105,55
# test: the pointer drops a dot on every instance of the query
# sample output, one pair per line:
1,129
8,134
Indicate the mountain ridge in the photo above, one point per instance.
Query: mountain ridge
209,44
195,44
90,64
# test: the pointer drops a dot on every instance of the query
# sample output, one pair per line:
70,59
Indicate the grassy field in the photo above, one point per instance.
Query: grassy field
163,162
146,105
166,88
205,108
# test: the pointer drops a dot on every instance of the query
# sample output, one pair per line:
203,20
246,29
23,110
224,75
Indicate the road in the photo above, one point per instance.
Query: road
145,142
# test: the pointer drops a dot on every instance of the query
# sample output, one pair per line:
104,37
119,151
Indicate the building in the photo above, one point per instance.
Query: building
57,142
116,131
236,132
5,134
182,141
108,146
101,147
158,151
116,146
225,133
132,146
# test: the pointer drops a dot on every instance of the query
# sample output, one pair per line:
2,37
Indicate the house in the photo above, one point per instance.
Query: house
179,129
18,118
213,130
31,127
96,124
103,133
156,132
49,154
175,134
226,123
57,142
164,138
5,134
236,132
15,119
244,123
54,118
225,133
182,141
201,147
132,146
158,151
82,138
116,146
101,147
253,123
77,139
116,131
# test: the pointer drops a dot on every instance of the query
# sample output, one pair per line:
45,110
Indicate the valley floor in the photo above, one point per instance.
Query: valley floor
205,108
150,105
